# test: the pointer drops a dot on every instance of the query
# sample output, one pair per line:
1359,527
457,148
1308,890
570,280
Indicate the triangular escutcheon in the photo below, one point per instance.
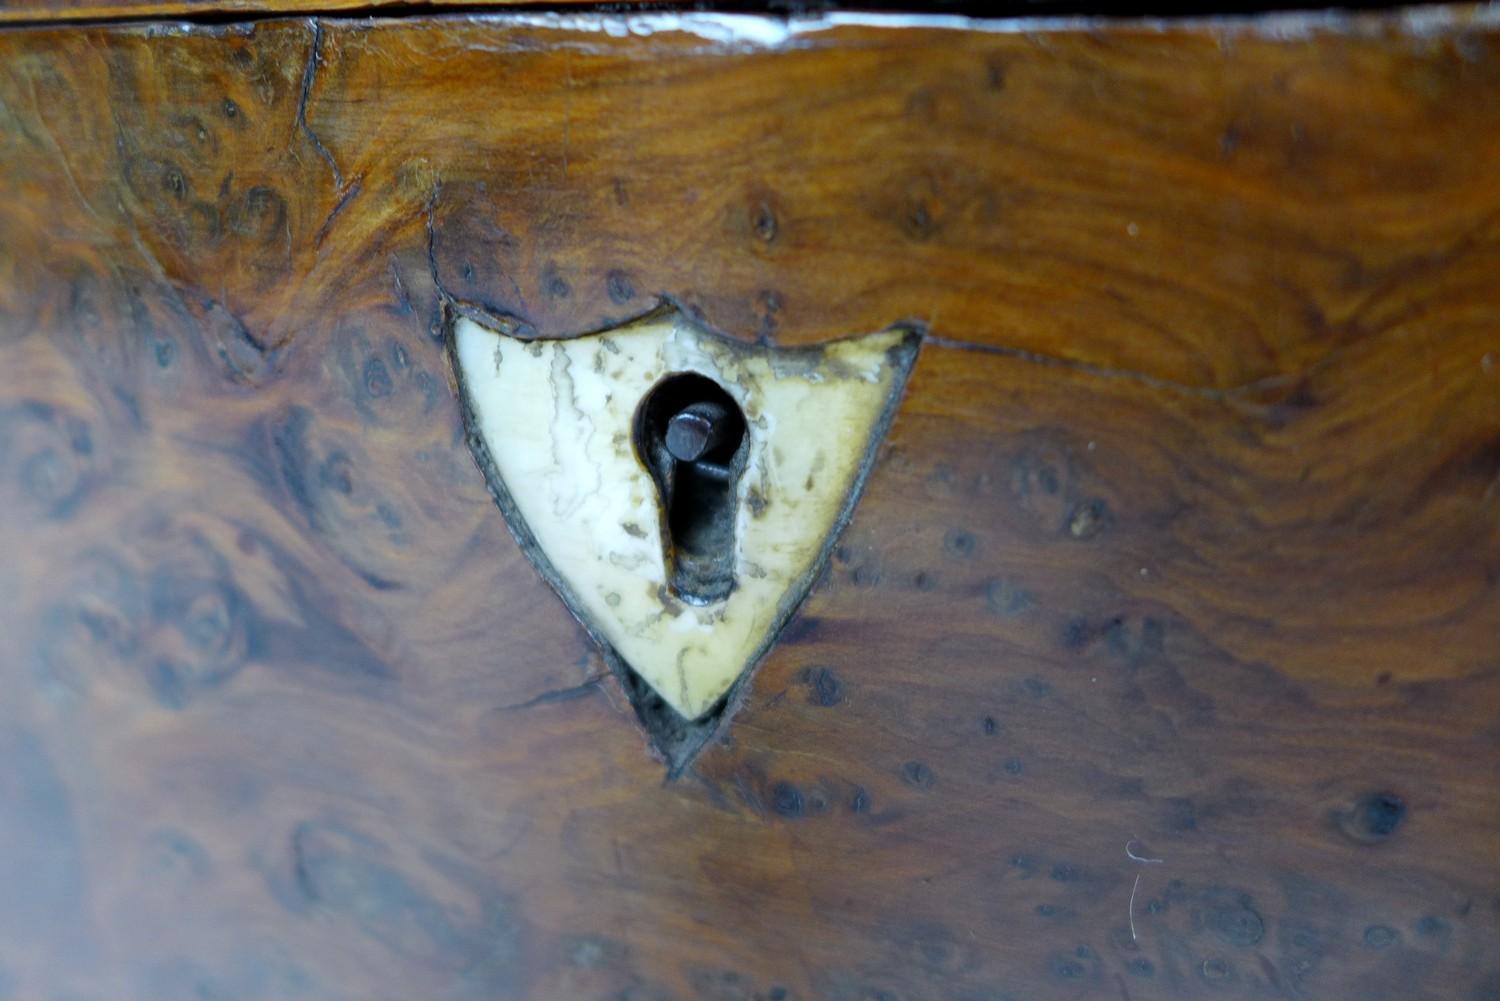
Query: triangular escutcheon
680,490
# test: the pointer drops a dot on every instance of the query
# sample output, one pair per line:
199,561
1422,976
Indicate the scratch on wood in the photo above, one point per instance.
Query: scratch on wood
348,196
430,209
1230,396
557,695
402,298
314,57
1134,888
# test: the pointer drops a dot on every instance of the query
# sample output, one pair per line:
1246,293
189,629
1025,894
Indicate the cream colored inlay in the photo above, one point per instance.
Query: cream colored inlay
557,417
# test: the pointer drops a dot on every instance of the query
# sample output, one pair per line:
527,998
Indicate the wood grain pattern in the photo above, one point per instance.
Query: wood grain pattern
49,11
1184,539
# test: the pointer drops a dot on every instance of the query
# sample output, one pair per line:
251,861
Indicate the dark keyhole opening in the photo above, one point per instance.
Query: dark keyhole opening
690,434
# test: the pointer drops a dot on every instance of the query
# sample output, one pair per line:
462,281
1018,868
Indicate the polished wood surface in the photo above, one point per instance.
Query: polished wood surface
49,11
1157,662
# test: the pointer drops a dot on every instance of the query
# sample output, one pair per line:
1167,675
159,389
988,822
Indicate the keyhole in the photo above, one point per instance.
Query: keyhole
690,434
